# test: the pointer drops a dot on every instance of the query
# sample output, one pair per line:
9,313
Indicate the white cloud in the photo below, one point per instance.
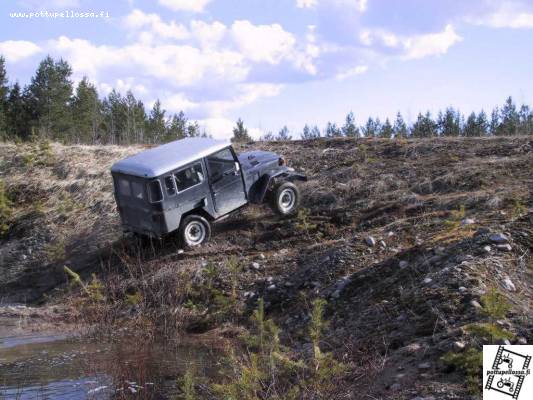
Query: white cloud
506,15
208,34
185,5
267,43
306,3
358,5
137,19
49,4
360,69
16,50
430,44
415,46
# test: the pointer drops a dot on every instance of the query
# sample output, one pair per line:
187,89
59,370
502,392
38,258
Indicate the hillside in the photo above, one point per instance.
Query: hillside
410,242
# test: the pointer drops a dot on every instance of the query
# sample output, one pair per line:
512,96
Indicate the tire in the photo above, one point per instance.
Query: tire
285,199
194,231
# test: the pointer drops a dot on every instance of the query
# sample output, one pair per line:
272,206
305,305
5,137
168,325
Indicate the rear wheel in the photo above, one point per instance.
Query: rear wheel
285,199
194,230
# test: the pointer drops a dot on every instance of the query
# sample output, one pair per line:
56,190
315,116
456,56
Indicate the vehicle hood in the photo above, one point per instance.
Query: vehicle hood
254,159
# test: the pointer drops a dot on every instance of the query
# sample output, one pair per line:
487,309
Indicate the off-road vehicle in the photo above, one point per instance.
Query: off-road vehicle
185,185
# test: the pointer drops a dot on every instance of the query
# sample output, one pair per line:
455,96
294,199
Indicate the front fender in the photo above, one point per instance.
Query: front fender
260,188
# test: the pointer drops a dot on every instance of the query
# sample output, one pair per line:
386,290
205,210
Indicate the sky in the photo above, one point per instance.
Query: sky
283,62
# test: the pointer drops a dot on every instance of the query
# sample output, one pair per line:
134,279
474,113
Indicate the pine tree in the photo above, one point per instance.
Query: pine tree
424,126
157,124
136,120
371,128
178,126
86,112
350,129
482,124
386,130
193,129
16,116
510,118
526,121
470,128
449,123
115,119
240,133
310,133
400,128
283,134
267,137
332,130
49,97
494,125
4,91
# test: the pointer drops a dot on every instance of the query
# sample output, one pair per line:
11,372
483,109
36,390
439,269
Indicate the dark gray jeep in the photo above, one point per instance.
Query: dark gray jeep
186,184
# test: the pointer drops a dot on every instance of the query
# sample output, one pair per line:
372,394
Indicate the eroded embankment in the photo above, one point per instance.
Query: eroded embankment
409,242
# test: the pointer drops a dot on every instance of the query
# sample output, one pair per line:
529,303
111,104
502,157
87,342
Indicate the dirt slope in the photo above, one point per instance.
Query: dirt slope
403,238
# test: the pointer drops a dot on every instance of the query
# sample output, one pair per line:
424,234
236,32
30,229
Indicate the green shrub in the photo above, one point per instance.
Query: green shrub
489,332
471,363
495,305
6,210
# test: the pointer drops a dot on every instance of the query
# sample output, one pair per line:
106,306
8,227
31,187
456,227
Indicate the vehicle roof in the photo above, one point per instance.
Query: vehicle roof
167,157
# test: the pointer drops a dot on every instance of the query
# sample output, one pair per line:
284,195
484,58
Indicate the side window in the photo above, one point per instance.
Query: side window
137,190
156,194
124,187
189,177
219,163
169,185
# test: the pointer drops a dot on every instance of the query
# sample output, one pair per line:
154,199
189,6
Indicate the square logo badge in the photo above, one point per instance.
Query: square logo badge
506,372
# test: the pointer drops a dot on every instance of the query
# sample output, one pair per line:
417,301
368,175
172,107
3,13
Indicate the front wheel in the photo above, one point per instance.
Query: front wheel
194,230
285,199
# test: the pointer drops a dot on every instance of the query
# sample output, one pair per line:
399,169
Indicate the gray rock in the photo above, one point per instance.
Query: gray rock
288,284
403,264
521,340
427,280
498,238
468,221
181,251
475,304
504,247
395,387
262,256
458,346
487,249
462,289
424,365
383,244
509,285
370,241
271,288
255,266
336,294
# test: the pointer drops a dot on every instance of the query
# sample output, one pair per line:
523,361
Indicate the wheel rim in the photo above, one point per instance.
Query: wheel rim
195,233
286,199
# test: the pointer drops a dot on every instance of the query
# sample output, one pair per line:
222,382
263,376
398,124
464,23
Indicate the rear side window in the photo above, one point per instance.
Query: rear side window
169,185
189,177
124,187
156,194
137,190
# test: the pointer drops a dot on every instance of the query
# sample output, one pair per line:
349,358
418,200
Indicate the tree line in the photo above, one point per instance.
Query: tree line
509,120
49,107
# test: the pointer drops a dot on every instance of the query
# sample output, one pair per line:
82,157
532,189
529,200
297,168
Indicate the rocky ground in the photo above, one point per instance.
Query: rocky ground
413,243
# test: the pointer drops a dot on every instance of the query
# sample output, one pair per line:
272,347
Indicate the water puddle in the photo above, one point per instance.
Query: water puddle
49,366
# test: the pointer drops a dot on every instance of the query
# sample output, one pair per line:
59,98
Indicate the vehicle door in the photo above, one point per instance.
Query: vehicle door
225,178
